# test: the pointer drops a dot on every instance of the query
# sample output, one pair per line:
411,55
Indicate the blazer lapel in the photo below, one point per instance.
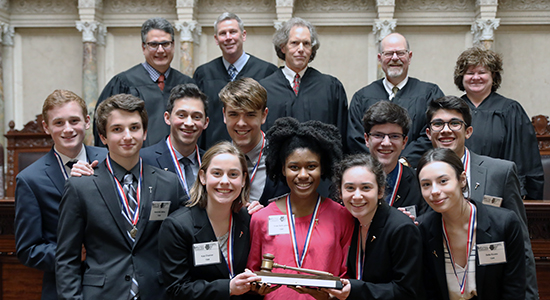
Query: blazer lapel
105,185
482,236
240,243
148,185
478,176
435,244
165,159
53,170
205,233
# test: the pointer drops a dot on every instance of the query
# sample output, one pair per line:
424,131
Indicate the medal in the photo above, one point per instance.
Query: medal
397,182
290,218
177,166
253,173
133,232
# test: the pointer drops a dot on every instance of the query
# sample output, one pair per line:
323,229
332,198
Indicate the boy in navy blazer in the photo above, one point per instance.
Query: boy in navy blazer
116,213
39,186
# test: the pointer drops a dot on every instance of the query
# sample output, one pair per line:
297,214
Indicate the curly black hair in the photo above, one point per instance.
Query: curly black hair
288,134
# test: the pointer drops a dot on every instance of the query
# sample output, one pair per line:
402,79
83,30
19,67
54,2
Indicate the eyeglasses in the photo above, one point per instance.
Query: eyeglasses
378,136
153,46
453,124
400,53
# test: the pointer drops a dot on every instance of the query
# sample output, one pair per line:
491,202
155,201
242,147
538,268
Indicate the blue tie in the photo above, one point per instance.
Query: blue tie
232,71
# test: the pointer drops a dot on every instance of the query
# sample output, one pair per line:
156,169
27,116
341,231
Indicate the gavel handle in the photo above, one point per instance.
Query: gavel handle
314,272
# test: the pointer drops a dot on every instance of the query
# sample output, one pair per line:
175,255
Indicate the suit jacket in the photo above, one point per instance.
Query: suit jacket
497,281
179,232
38,192
90,213
409,193
393,258
497,177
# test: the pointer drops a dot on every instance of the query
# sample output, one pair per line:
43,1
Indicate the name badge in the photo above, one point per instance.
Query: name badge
206,253
491,253
411,209
159,210
278,225
492,200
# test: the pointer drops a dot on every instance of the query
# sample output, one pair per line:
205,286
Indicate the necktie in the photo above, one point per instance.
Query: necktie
71,163
296,84
232,71
189,177
130,192
160,82
394,90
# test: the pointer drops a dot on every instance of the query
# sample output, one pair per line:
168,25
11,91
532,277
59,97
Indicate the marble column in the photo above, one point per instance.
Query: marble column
381,29
89,69
189,35
6,39
484,32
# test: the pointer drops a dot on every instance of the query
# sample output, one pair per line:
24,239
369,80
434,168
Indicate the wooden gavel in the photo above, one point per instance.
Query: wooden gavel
268,264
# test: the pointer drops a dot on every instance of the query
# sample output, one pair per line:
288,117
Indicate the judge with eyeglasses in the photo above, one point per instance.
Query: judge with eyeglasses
151,80
394,55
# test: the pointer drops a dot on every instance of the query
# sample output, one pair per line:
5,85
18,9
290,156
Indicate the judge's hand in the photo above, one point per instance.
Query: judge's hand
340,294
240,284
263,288
413,218
316,293
82,168
253,207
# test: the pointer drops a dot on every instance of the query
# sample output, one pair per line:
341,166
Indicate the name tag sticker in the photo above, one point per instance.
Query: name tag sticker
206,253
411,209
278,224
159,210
491,253
492,200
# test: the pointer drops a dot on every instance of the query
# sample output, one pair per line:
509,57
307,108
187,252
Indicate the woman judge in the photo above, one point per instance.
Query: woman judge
302,229
470,250
204,246
502,129
384,260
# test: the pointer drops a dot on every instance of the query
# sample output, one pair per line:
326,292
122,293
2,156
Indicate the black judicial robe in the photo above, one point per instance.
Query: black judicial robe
211,78
321,97
136,81
503,130
414,97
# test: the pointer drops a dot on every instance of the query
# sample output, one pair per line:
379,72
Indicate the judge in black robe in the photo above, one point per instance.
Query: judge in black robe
136,81
414,97
211,78
320,97
503,130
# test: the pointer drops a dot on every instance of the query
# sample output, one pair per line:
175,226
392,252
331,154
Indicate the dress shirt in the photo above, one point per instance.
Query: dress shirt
65,159
257,186
239,64
154,74
289,75
389,86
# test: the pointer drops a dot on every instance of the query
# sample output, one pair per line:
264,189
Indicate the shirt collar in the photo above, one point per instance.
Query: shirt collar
255,152
389,86
192,157
289,74
120,171
80,156
239,64
153,73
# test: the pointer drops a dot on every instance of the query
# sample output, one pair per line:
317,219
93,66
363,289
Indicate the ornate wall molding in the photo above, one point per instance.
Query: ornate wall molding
8,32
43,7
434,5
139,7
385,2
5,4
236,6
190,31
186,3
524,5
334,5
88,30
90,4
484,29
382,28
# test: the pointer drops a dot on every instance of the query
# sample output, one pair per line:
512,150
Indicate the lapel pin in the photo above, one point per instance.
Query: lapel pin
165,169
373,238
241,234
435,253
477,185
150,190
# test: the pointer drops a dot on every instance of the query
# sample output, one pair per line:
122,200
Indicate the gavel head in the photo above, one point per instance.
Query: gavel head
267,262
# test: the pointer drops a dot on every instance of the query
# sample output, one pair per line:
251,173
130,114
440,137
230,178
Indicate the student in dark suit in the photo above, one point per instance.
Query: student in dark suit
384,260
490,180
186,114
234,63
470,250
204,246
116,213
386,127
244,111
151,80
39,187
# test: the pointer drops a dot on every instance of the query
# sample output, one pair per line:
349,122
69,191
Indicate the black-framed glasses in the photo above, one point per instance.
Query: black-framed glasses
153,46
379,136
400,53
453,124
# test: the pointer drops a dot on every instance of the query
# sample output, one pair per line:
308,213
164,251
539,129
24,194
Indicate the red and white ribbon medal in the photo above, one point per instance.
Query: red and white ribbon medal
177,165
122,196
230,248
255,169
290,217
397,182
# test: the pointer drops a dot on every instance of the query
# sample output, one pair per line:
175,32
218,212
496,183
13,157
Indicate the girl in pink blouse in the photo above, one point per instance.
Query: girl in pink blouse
302,229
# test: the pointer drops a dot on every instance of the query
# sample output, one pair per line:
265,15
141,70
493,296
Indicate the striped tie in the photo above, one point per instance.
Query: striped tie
232,71
130,192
